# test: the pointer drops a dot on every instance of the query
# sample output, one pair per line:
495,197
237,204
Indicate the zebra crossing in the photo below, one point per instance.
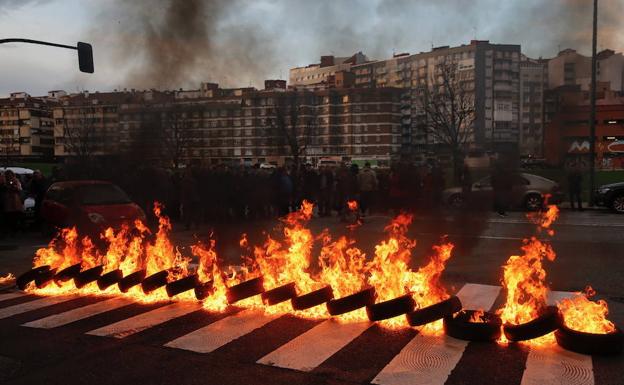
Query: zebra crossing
325,346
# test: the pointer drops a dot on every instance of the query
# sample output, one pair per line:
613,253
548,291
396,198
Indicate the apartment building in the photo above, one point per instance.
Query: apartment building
493,70
87,124
570,68
26,126
533,84
243,125
323,73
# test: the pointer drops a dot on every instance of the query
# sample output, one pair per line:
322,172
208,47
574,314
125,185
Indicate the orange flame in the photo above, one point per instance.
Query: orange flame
343,268
584,315
128,250
477,317
524,276
9,278
392,277
280,260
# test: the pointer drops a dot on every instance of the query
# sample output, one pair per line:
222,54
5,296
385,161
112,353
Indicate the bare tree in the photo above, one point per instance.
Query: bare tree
447,102
174,134
295,122
81,137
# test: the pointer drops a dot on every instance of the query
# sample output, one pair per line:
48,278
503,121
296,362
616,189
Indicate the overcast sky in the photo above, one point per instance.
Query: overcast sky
178,43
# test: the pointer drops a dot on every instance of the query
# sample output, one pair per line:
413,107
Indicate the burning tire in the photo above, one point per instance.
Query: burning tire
182,285
351,302
313,298
68,273
154,281
44,278
109,279
245,290
590,343
29,276
391,308
203,290
469,325
131,280
434,312
279,294
548,321
23,280
88,276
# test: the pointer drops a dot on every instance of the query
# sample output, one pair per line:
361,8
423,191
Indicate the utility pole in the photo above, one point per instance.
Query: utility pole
592,114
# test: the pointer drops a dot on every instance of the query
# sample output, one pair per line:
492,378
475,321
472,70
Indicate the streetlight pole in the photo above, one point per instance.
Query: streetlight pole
592,114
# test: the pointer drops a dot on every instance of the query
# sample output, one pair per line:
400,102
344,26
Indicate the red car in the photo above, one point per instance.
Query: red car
90,205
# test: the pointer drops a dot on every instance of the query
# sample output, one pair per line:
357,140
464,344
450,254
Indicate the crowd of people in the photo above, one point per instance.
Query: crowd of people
222,193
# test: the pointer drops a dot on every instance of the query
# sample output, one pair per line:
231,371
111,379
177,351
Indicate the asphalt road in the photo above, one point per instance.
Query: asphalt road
287,349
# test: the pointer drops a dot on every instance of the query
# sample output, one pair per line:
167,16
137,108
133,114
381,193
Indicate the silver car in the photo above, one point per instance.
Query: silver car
528,192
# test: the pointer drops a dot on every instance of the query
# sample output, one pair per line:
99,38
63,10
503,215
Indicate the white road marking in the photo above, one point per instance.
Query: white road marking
5,296
219,333
550,365
313,347
430,360
553,365
78,314
33,305
146,320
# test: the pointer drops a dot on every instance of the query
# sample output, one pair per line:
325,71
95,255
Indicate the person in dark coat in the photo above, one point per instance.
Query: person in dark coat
37,188
13,205
285,191
575,186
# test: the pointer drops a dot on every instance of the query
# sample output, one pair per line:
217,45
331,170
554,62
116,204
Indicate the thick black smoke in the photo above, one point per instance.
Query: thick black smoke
178,43
167,44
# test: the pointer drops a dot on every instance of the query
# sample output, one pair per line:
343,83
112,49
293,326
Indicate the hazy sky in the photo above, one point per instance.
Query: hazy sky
178,43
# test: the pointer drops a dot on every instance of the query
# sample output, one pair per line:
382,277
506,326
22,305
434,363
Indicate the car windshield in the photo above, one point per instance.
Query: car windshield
101,194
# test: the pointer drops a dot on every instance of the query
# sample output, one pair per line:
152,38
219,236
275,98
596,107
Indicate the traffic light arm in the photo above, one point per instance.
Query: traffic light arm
85,52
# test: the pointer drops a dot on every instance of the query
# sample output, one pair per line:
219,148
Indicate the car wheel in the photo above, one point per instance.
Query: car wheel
456,201
617,204
533,202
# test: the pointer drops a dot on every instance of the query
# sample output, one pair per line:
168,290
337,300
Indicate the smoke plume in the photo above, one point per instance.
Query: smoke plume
167,44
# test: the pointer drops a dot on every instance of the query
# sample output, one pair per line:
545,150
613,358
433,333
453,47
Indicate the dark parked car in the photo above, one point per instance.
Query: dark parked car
611,195
528,192
89,205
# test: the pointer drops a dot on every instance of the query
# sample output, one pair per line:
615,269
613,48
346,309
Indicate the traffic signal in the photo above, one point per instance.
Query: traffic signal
85,57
